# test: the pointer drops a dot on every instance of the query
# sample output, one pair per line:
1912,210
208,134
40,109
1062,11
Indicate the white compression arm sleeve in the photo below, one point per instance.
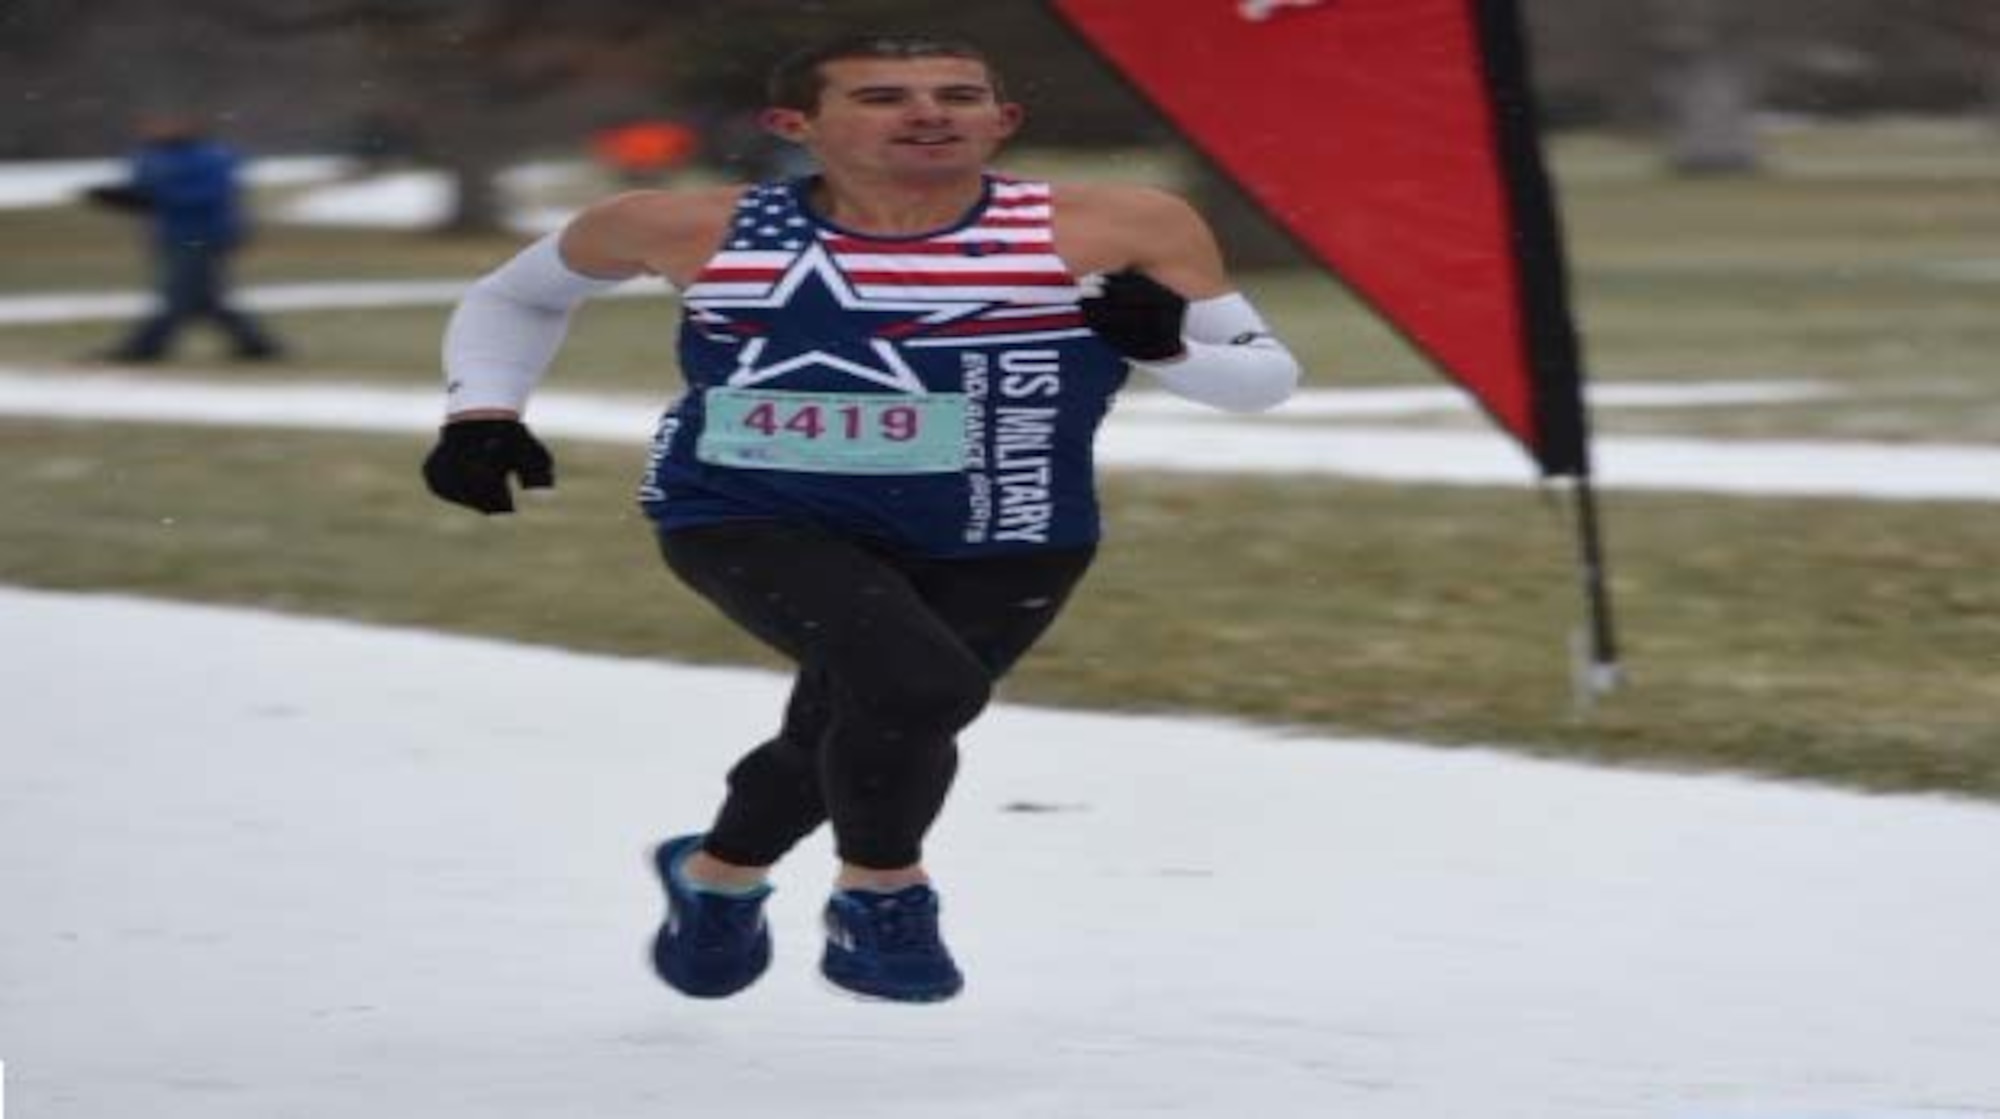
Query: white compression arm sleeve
508,327
1232,360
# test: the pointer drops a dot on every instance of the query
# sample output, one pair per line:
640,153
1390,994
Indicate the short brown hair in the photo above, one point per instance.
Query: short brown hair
797,81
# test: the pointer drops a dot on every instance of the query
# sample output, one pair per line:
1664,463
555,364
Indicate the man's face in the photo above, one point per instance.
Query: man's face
902,116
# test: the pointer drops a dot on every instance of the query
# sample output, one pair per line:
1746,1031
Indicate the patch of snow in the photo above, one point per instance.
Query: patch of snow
34,184
1142,440
263,866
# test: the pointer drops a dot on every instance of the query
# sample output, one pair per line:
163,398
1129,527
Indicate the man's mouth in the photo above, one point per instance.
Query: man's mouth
927,141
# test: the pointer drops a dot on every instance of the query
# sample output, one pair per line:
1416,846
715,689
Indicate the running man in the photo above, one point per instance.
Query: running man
882,463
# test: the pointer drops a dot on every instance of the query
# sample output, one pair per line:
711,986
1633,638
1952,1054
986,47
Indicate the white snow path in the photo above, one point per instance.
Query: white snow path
1147,431
408,200
340,193
260,866
62,307
34,184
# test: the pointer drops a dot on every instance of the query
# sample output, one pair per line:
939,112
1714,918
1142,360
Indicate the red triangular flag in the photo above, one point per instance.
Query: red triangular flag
1395,140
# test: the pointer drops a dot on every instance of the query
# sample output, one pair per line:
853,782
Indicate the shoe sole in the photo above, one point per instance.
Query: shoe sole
929,995
853,995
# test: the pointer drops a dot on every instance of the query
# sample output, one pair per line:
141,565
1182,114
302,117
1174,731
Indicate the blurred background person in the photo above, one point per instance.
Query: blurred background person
186,185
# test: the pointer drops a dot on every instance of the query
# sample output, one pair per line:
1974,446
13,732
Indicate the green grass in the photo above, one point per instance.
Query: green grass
1840,641
1843,641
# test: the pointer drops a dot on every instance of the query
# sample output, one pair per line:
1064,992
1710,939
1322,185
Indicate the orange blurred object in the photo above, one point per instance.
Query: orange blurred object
645,148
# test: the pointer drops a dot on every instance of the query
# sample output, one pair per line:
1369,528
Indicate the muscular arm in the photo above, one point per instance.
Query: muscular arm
664,233
505,332
1106,228
1228,357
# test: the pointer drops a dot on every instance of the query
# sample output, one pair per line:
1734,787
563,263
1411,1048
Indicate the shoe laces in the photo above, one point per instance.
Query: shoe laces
722,922
905,925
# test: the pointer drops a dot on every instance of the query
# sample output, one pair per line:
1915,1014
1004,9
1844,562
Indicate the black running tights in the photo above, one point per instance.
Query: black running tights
895,655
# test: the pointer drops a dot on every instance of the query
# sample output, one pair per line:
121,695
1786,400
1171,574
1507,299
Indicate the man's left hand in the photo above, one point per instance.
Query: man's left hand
119,196
1137,315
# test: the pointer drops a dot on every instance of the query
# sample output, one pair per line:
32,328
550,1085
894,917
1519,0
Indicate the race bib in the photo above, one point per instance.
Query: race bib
834,432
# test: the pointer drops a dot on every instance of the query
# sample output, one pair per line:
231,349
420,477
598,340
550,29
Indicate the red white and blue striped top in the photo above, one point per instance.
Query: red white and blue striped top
938,392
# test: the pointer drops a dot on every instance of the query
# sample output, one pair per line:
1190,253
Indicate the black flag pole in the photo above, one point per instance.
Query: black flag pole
1561,444
1596,659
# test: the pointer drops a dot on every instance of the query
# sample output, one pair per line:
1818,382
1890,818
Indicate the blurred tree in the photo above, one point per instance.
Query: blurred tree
477,81
1706,87
480,79
32,32
724,48
75,73
480,83
1968,27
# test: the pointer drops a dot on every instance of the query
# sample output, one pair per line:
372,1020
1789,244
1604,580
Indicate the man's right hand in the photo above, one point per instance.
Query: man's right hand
473,457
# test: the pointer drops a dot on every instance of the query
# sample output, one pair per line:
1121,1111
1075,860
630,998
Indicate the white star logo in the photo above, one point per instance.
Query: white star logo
847,311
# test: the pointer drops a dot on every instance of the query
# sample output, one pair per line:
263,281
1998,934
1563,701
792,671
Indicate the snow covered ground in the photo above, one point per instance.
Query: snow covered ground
335,192
35,184
257,866
410,200
55,307
1147,431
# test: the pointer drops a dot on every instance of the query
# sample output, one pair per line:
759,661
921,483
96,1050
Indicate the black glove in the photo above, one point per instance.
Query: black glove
120,196
1138,316
470,464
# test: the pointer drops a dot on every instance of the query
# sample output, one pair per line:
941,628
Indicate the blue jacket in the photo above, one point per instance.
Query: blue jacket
191,188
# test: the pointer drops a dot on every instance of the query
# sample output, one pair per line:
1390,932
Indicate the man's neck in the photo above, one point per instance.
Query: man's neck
896,207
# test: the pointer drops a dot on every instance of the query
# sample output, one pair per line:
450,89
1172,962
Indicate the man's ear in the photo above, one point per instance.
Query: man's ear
1012,115
785,124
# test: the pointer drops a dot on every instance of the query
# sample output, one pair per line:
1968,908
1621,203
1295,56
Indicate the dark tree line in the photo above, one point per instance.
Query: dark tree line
471,84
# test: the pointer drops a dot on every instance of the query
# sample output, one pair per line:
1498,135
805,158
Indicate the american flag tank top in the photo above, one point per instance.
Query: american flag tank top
938,393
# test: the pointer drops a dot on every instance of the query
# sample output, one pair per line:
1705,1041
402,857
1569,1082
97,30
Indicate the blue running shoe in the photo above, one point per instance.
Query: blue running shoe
711,945
886,946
